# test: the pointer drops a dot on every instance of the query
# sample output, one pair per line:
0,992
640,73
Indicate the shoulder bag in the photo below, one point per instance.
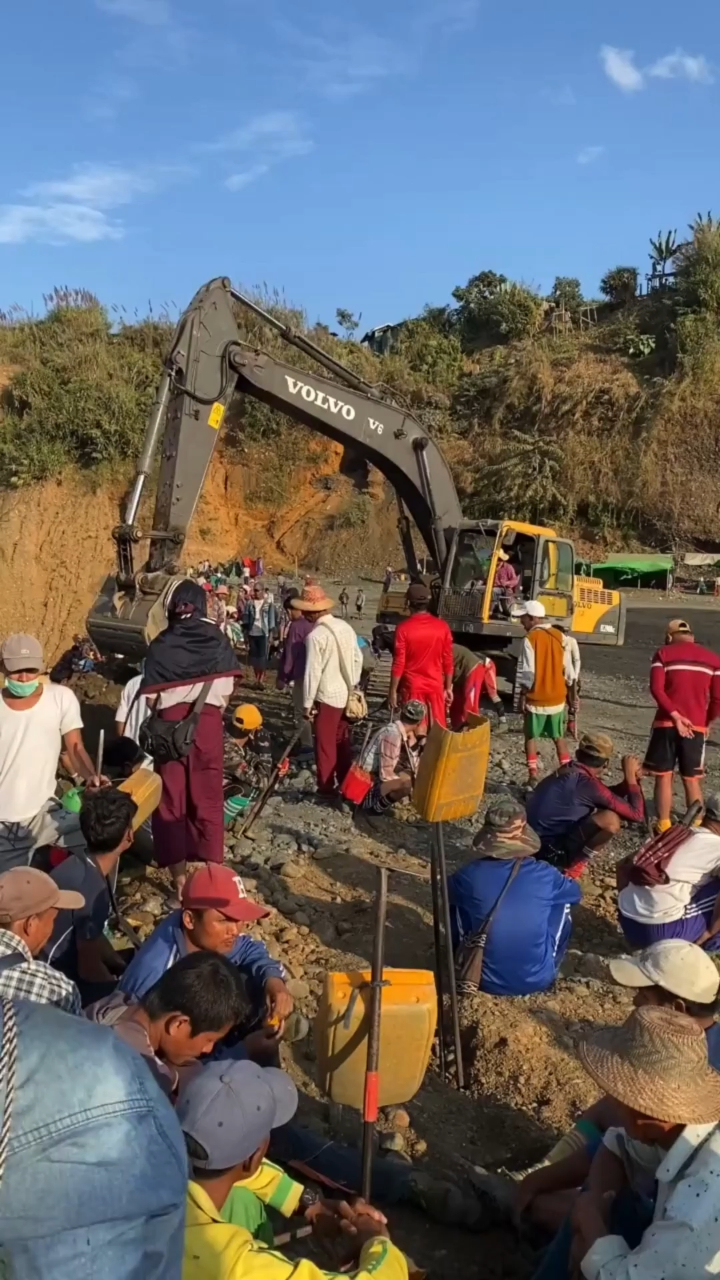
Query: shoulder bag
356,707
167,740
470,954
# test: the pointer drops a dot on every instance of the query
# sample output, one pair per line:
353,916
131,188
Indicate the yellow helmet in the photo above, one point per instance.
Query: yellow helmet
247,716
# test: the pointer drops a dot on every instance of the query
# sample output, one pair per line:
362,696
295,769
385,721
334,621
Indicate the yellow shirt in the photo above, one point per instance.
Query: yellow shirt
217,1250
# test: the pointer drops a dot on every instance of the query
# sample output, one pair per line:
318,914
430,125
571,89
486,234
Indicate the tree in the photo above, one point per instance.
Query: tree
527,481
495,310
620,284
663,249
347,321
698,269
566,294
480,287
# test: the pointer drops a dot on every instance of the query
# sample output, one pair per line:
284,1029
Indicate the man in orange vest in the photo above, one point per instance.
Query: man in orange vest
543,675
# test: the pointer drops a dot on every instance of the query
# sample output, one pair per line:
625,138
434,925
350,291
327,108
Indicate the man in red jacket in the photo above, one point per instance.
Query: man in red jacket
423,657
685,683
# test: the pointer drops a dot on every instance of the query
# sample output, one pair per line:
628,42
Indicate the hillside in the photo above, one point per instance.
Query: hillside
599,416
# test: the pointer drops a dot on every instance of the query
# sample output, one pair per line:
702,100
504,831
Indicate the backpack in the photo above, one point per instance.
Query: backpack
649,866
167,740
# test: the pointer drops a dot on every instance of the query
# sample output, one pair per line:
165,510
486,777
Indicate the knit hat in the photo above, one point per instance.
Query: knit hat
312,599
656,1063
506,833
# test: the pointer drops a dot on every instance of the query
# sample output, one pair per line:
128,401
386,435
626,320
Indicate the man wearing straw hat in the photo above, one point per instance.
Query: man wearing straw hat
655,1068
333,668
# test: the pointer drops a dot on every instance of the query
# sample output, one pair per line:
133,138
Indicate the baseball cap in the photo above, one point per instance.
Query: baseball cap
678,625
25,891
418,593
712,806
229,1108
247,716
680,967
528,608
22,653
221,888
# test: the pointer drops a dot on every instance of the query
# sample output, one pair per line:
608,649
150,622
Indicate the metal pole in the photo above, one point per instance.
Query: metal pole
372,1080
152,433
100,753
437,942
445,903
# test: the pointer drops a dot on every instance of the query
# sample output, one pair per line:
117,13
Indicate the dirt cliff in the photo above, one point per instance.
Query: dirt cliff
56,545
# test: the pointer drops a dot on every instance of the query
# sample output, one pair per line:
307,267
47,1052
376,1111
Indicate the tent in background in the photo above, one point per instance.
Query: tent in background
630,571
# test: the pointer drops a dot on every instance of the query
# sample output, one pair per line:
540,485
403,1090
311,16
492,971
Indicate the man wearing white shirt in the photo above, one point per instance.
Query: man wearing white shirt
132,711
333,668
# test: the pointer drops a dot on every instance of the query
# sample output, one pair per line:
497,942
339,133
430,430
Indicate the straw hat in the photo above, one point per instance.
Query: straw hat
656,1063
312,599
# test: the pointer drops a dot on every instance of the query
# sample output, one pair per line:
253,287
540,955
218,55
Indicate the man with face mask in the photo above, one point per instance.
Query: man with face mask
38,720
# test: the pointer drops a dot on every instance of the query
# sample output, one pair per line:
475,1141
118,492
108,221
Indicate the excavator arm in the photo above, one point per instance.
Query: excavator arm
206,365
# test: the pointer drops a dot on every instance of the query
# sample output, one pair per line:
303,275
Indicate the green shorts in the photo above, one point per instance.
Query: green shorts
542,725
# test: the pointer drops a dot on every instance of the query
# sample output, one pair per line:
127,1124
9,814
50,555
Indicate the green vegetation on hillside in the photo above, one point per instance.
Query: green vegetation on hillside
599,415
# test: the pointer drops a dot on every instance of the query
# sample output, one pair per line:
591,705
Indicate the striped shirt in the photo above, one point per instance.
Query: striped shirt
24,978
685,677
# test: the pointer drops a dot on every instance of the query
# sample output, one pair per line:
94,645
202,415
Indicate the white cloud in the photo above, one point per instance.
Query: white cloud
109,95
149,13
345,59
619,66
588,155
237,181
99,186
263,141
55,224
681,66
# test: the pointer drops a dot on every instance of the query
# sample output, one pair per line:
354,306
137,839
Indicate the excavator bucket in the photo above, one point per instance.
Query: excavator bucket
124,622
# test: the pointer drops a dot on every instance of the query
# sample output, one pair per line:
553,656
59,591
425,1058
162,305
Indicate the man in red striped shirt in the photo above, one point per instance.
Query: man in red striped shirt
685,683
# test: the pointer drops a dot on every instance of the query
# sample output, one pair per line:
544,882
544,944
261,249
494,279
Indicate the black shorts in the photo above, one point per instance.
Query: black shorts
666,749
567,850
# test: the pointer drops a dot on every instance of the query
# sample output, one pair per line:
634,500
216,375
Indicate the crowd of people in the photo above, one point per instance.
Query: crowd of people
90,1027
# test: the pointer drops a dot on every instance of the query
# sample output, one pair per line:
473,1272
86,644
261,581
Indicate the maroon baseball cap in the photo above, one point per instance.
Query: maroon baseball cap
221,888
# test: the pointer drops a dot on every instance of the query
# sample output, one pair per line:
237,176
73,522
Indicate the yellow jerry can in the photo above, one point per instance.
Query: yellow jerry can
450,779
145,787
407,1028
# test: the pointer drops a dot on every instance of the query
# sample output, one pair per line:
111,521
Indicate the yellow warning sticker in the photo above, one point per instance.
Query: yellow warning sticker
217,413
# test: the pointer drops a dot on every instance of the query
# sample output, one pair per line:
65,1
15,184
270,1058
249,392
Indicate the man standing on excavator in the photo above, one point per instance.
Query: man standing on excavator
423,657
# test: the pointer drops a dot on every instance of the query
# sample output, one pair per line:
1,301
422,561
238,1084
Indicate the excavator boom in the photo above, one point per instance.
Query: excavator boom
206,365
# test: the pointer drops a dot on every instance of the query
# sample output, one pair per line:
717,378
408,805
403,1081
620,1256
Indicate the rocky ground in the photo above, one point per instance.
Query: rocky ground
317,870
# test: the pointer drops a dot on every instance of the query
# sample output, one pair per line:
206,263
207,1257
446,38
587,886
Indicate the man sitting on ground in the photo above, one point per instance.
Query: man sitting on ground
181,1018
671,974
247,753
687,904
77,945
651,1205
522,907
575,813
29,903
227,1114
391,758
214,916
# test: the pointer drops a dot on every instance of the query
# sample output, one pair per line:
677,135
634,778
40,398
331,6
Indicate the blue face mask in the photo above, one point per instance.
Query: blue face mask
22,688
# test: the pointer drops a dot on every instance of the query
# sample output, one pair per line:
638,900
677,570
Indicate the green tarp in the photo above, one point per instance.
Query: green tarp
629,569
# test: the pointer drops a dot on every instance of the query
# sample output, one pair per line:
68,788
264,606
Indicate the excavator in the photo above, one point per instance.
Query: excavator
207,365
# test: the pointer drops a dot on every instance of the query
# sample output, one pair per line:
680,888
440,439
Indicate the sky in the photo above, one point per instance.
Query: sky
368,156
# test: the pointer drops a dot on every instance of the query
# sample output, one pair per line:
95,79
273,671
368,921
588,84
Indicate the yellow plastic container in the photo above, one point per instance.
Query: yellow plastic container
407,1028
145,787
450,779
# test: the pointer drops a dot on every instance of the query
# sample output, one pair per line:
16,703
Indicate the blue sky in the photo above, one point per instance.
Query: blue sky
370,156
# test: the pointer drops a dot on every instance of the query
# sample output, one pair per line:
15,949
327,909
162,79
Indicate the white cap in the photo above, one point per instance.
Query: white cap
680,967
528,608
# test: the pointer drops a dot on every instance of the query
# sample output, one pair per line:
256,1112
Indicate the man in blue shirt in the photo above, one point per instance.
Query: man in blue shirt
521,906
215,910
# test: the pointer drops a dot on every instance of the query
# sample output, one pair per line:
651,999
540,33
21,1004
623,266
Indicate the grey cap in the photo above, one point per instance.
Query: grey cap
229,1108
22,653
712,806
